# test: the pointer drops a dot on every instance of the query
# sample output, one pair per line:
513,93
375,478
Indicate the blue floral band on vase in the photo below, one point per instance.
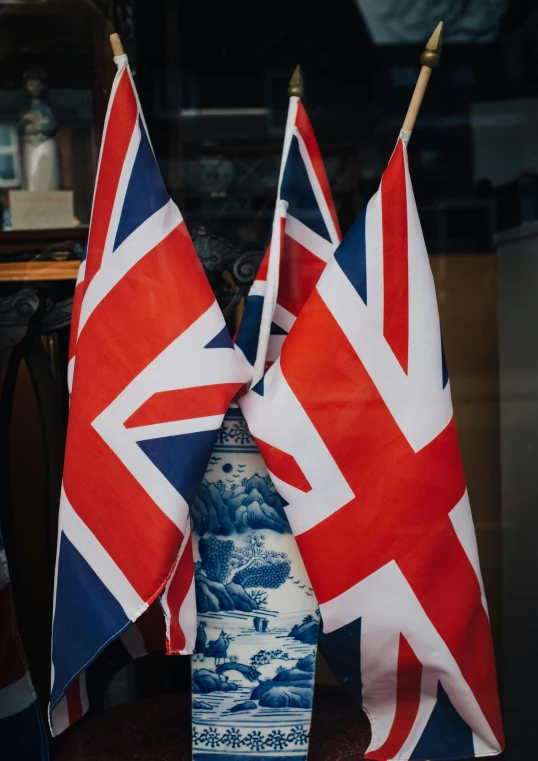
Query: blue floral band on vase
258,622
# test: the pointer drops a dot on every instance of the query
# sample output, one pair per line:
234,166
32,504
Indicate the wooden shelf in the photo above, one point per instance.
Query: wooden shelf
20,272
77,233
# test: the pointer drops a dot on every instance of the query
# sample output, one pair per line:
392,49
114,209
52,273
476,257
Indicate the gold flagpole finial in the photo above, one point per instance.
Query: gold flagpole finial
432,55
296,84
429,59
115,44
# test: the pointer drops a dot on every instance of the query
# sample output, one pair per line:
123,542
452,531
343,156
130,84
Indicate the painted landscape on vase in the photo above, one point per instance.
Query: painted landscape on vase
254,664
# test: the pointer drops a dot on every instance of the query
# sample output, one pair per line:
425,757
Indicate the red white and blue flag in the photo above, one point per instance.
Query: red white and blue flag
152,372
355,424
304,236
22,730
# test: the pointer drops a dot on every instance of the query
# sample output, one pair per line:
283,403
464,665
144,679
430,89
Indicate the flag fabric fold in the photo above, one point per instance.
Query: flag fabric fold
304,236
356,427
152,371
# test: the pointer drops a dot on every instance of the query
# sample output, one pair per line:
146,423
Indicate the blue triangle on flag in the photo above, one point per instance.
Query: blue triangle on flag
221,341
342,651
146,192
351,256
249,329
182,459
258,388
297,191
446,734
86,613
276,330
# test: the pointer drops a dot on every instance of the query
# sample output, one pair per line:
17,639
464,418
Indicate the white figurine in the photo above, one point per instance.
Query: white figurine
38,127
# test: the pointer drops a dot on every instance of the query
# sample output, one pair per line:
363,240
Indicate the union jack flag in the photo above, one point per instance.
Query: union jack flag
22,731
305,234
153,371
355,424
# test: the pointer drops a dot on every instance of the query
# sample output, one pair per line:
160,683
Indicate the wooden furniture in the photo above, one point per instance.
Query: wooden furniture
32,437
160,728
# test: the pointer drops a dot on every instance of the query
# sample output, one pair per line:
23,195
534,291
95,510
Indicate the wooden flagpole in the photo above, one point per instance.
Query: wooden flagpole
296,84
430,60
115,43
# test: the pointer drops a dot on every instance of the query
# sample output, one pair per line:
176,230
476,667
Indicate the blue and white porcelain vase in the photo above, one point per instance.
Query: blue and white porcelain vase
254,666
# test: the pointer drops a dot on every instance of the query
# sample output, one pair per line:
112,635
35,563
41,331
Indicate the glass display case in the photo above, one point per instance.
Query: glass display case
53,89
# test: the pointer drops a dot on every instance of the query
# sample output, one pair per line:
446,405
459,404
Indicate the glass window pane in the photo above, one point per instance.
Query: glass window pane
6,135
7,168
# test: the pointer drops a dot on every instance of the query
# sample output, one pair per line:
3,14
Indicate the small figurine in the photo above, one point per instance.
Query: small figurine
201,642
38,126
218,648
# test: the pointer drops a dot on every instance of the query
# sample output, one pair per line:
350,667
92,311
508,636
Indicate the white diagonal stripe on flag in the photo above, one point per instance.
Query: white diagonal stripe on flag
132,250
98,559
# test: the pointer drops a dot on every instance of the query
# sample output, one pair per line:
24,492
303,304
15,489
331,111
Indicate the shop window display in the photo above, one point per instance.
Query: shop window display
212,120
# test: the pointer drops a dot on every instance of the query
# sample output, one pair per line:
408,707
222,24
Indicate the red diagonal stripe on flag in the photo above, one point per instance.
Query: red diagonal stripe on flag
283,466
177,592
121,123
184,404
300,270
395,256
74,702
262,270
407,701
122,335
307,133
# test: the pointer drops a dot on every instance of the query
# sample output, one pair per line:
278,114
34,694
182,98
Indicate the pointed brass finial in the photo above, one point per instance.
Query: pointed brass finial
432,55
429,59
296,84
